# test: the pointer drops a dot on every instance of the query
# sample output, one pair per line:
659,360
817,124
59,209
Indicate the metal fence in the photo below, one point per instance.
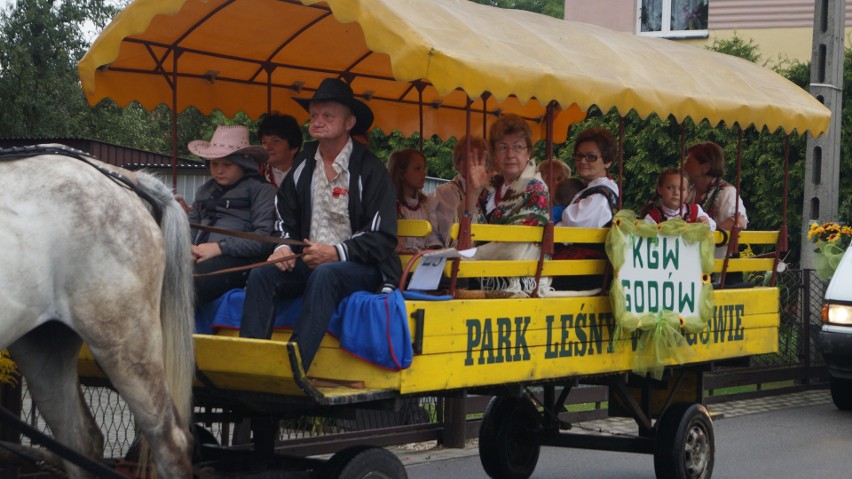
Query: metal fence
796,365
800,296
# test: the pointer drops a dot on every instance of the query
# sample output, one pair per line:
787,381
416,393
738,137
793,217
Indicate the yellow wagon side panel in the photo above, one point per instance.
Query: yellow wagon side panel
486,342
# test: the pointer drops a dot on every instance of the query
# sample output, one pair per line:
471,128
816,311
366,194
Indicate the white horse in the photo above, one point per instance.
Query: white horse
82,259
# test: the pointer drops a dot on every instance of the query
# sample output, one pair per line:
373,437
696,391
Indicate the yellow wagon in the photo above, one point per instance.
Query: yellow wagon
446,67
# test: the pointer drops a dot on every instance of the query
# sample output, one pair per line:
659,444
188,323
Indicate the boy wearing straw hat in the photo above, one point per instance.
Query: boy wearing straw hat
339,200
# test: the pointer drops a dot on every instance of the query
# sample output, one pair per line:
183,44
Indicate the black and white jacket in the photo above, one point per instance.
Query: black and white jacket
372,209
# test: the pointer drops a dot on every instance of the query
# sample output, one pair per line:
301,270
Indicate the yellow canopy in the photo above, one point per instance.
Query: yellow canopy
417,62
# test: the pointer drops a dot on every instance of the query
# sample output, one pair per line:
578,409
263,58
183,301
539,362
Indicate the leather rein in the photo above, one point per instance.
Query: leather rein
251,236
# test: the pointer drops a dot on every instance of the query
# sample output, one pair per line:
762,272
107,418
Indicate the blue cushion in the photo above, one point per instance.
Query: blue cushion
373,327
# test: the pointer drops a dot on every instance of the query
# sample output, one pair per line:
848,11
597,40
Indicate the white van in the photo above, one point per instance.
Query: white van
835,337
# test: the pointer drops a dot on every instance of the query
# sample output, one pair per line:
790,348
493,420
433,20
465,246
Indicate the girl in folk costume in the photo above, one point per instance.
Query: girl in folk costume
408,173
515,196
666,203
281,137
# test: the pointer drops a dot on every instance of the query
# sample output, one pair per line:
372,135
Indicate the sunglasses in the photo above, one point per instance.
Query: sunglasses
589,157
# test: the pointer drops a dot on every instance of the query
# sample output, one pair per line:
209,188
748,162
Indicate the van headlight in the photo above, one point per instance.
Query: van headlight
837,314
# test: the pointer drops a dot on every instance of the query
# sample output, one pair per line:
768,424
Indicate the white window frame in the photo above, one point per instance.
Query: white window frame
665,29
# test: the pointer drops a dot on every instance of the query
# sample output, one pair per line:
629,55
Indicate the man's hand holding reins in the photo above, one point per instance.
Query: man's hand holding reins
316,254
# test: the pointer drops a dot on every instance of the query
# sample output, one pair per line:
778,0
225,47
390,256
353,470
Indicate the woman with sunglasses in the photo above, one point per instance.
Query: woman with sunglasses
593,206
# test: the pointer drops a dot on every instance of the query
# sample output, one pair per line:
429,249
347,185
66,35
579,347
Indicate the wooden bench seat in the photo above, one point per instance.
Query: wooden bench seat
533,234
412,229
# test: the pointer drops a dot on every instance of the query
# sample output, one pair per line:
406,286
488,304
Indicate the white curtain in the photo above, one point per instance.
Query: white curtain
652,15
689,15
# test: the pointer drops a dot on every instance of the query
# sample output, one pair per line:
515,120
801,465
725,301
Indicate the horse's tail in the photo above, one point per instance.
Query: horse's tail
178,295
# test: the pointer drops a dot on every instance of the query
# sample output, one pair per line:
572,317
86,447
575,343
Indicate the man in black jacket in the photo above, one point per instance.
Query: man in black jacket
339,199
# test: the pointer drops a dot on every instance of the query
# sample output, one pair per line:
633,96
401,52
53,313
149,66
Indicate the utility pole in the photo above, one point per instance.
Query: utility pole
822,167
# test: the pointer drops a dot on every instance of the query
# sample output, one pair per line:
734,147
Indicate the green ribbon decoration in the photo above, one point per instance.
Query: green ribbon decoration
827,258
660,335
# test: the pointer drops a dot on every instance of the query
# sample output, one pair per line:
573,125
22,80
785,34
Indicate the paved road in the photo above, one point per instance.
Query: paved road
792,436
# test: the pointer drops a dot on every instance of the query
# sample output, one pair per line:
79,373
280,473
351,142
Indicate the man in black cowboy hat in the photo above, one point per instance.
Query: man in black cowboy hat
339,199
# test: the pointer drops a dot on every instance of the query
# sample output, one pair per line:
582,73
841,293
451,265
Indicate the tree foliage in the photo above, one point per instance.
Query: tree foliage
40,43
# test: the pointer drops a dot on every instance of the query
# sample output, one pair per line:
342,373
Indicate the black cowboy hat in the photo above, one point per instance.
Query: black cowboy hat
333,89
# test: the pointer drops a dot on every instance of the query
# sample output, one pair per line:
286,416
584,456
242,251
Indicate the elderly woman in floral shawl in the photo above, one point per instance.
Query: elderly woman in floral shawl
516,195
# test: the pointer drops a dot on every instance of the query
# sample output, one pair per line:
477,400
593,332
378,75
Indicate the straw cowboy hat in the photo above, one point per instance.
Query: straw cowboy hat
332,89
230,140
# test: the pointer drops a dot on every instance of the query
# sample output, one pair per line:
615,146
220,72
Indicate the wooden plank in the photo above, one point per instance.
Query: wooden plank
751,237
491,268
510,233
414,228
744,264
563,234
595,331
569,267
533,234
326,364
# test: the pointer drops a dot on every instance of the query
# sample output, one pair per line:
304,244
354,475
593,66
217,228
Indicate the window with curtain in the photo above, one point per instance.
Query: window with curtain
673,18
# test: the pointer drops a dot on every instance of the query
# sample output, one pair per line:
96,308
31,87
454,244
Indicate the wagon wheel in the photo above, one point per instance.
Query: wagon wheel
841,393
201,437
509,441
364,462
685,444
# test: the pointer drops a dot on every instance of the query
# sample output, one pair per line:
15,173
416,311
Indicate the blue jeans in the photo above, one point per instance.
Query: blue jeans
323,288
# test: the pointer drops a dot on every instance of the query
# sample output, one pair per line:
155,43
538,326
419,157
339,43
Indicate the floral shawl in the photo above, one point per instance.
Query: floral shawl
524,203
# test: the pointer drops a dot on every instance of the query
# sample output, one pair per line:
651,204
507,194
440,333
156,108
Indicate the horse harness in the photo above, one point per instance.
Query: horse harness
21,152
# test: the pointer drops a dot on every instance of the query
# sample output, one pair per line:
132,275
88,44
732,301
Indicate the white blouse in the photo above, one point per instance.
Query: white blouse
592,211
726,203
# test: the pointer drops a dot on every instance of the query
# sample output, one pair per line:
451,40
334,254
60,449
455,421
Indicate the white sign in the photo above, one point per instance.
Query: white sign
662,273
427,276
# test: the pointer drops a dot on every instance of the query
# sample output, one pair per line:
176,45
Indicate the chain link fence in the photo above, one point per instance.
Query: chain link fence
113,416
801,295
111,413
